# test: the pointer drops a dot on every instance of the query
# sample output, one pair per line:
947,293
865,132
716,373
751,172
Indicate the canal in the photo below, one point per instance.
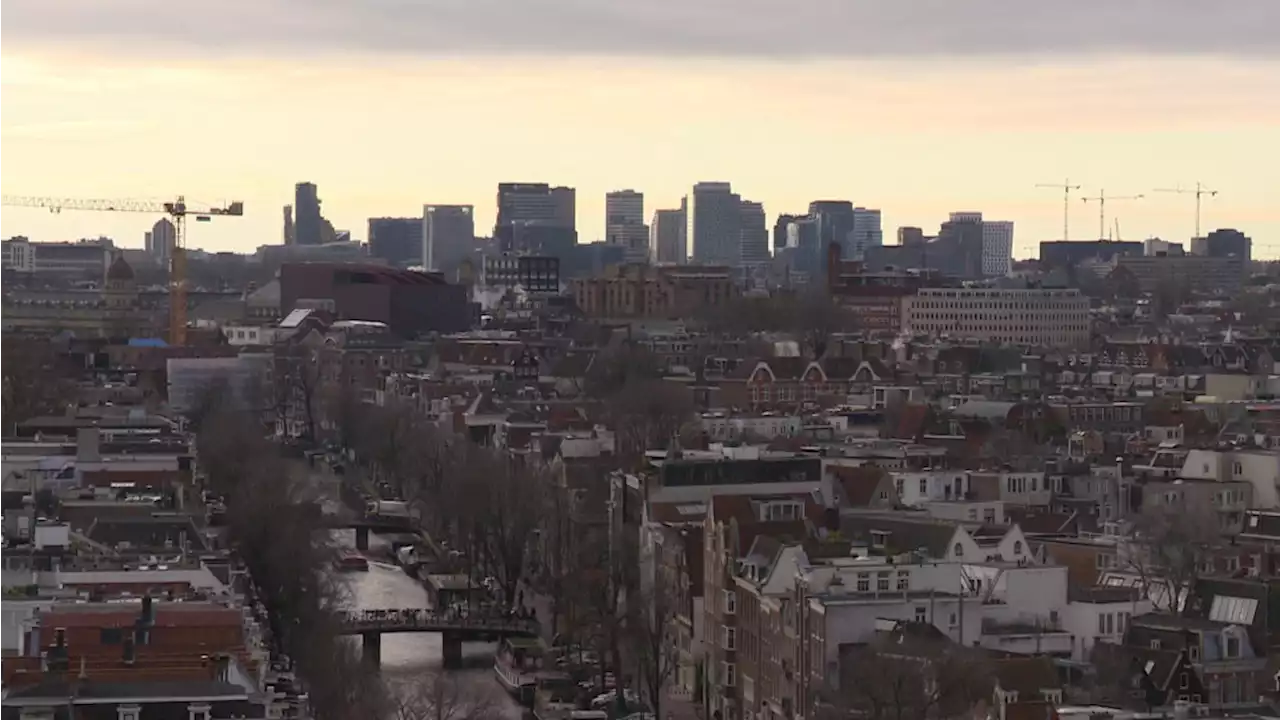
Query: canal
409,658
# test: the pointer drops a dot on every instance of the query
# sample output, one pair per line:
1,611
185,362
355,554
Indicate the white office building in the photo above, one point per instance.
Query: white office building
997,247
1033,316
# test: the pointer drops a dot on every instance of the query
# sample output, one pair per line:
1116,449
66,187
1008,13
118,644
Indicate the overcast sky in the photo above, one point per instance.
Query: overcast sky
914,106
754,28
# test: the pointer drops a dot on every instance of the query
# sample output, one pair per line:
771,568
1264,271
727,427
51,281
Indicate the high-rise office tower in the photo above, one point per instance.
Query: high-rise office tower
782,231
753,234
536,218
910,235
714,225
997,242
666,237
624,224
1224,242
308,223
536,202
448,234
866,233
161,240
623,207
997,247
396,240
288,235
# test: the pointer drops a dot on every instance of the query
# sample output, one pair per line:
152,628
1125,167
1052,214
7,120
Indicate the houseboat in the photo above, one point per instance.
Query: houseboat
518,664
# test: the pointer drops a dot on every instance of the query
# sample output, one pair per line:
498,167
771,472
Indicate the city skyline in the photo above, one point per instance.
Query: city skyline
1030,96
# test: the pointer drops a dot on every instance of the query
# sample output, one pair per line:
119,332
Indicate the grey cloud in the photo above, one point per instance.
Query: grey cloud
677,28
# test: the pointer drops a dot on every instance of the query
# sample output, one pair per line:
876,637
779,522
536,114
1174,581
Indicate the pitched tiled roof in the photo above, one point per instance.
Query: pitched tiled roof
1026,676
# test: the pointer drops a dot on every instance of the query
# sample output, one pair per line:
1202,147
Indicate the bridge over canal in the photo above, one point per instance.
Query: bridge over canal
454,629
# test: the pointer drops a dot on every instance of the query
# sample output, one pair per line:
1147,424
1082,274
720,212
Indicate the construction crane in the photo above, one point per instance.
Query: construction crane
1066,187
1102,199
1199,191
178,209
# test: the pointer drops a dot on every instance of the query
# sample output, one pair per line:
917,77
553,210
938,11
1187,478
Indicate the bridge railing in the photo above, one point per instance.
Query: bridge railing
413,618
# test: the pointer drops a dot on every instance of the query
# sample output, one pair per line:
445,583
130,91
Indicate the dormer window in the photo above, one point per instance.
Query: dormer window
777,511
128,712
879,538
1230,645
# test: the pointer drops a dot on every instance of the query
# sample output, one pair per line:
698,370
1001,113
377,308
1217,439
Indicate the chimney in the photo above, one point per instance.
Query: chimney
148,618
130,650
57,659
88,447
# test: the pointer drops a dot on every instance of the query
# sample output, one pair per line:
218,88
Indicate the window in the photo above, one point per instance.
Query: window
1231,646
128,712
1184,682
1102,623
729,672
904,581
958,550
924,486
1017,547
728,637
921,613
730,602
882,581
864,582
1193,652
1155,644
198,712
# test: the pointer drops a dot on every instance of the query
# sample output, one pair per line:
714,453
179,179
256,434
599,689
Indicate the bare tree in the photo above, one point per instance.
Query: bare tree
442,696
297,379
38,380
514,486
1167,548
909,680
648,414
651,635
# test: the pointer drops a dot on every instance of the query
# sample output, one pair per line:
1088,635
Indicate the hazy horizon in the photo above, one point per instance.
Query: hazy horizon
390,104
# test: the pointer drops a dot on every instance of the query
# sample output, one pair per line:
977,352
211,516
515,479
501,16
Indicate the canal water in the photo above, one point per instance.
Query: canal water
408,658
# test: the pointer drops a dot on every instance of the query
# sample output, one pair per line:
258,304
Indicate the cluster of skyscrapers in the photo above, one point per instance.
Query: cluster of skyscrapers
714,225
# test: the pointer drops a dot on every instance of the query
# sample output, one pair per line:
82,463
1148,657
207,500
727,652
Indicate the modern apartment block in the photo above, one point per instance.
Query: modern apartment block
1052,318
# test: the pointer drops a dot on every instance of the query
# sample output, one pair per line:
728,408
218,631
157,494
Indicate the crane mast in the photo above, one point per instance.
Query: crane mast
1066,187
1199,191
1102,198
177,209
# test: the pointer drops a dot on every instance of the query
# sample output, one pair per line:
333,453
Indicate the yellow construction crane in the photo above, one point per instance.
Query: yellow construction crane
1102,199
178,209
1199,191
1066,187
